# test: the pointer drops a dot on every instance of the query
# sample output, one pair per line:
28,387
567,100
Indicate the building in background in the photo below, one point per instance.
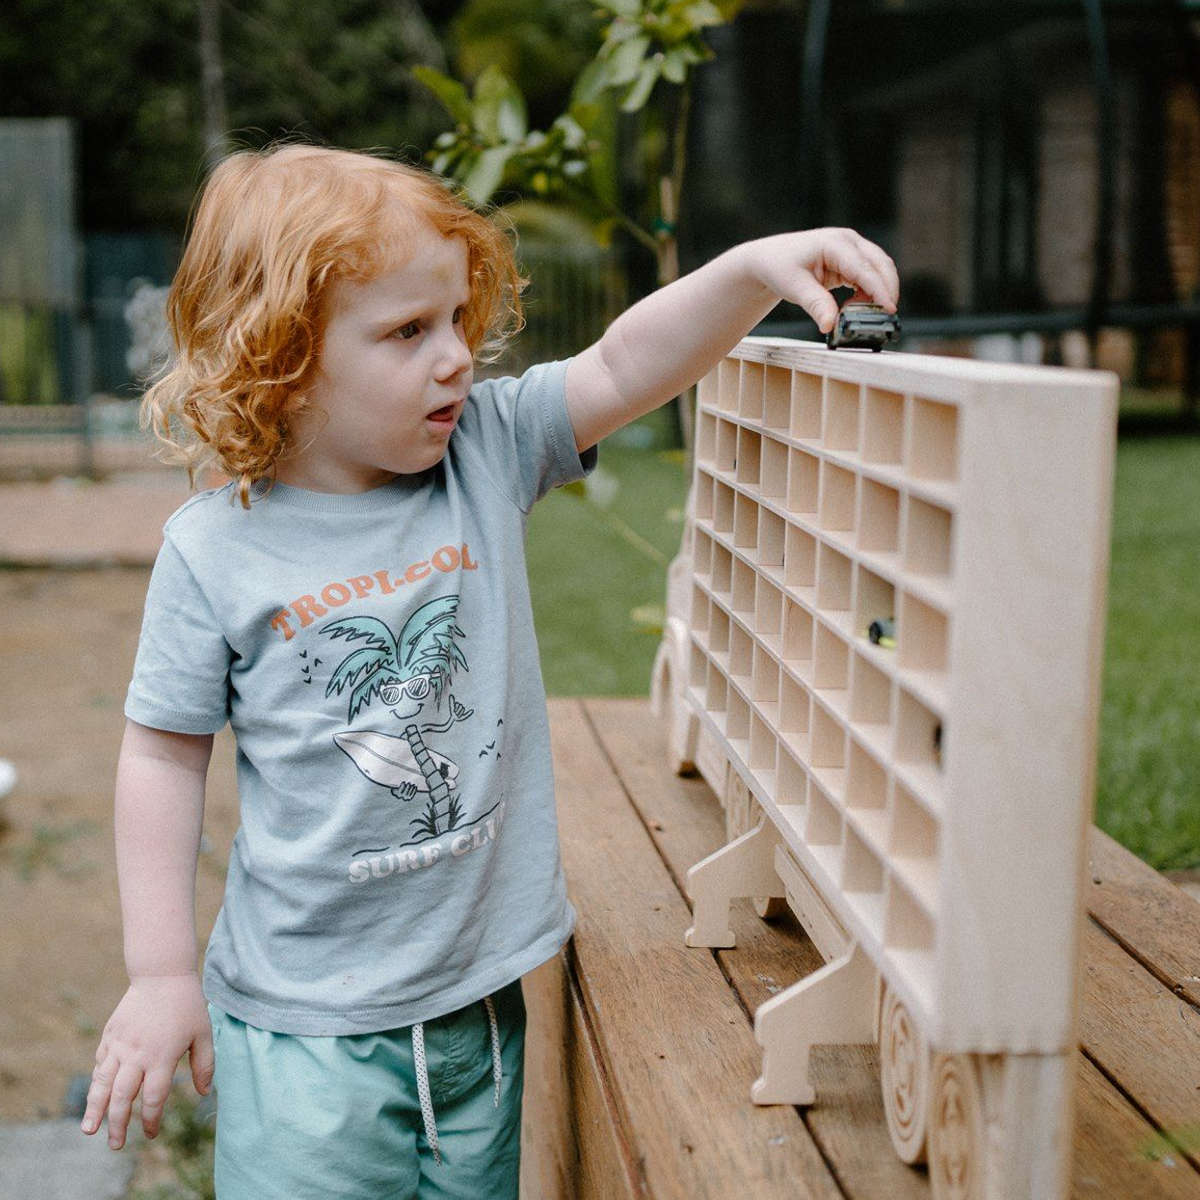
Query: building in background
1033,167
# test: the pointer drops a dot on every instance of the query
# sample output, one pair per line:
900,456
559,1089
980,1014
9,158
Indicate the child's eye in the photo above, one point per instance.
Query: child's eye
459,313
407,331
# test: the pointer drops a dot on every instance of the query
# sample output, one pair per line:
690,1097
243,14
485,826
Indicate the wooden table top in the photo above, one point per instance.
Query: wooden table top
673,1027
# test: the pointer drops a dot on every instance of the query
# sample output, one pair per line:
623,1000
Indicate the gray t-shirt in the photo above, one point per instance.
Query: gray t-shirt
375,656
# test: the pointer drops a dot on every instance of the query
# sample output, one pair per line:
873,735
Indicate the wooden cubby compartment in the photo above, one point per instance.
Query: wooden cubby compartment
914,841
922,635
831,660
791,782
917,736
722,570
774,469
716,693
806,407
836,511
870,697
727,446
828,740
928,539
722,518
834,575
800,560
741,655
933,449
706,438
750,395
804,473
879,519
866,790
797,637
841,415
883,427
703,497
744,583
768,614
777,398
875,600
749,457
718,640
745,522
794,705
772,536
737,720
699,613
763,745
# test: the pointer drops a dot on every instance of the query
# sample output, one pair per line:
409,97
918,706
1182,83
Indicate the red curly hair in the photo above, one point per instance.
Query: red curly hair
273,230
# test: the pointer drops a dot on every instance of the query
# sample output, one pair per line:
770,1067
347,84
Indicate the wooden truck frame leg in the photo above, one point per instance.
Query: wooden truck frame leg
832,1006
745,867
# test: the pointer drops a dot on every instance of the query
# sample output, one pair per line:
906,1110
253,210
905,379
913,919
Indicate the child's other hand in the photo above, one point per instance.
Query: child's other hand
159,1019
803,267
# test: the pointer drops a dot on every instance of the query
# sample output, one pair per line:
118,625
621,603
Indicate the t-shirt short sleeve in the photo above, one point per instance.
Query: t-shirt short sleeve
181,674
524,432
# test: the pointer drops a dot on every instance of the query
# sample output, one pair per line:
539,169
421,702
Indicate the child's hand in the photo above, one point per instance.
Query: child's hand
802,267
159,1019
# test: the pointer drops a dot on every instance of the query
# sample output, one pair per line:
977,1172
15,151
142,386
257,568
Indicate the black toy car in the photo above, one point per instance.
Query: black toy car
863,326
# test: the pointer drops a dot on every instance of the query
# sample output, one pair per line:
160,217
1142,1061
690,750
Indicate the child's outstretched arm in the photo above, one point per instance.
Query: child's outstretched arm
669,340
162,1016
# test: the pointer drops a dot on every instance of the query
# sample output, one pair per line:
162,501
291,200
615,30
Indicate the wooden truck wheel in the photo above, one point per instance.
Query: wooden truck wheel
903,1077
957,1129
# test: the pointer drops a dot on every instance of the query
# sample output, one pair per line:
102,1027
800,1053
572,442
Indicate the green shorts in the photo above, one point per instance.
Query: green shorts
430,1110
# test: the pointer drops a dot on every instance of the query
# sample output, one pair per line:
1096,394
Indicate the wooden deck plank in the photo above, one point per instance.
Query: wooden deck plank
1142,1035
673,1037
684,819
1155,921
1116,1152
572,1146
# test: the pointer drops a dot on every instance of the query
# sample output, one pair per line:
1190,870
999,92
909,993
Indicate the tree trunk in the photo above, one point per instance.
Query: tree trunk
439,789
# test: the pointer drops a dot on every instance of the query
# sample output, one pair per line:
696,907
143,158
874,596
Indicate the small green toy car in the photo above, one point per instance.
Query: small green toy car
863,326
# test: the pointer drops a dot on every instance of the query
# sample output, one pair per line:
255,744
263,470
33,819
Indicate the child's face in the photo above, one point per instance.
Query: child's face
392,376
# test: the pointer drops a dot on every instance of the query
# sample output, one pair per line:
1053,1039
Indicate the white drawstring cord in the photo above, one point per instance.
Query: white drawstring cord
423,1094
497,1065
431,1136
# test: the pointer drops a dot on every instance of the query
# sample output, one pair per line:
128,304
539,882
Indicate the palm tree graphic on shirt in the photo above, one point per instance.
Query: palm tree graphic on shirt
408,674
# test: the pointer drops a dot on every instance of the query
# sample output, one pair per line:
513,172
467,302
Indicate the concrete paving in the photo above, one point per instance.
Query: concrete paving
53,1160
75,522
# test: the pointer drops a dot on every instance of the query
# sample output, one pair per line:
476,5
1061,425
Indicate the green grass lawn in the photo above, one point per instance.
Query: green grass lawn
1149,778
598,570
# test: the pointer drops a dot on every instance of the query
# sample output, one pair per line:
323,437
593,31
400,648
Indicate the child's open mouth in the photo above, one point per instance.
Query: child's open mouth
444,416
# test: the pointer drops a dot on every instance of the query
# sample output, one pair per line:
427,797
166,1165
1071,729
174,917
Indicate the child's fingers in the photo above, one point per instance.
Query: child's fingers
97,1097
202,1062
815,300
155,1090
862,265
120,1103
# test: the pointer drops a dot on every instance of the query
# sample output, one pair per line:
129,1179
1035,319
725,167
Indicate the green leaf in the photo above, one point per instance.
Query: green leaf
482,180
450,92
647,78
626,61
499,108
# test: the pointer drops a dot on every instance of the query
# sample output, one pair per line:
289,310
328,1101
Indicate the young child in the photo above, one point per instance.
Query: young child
355,605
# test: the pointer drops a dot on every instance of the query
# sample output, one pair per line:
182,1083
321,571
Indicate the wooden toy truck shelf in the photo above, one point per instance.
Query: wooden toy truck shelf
883,653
